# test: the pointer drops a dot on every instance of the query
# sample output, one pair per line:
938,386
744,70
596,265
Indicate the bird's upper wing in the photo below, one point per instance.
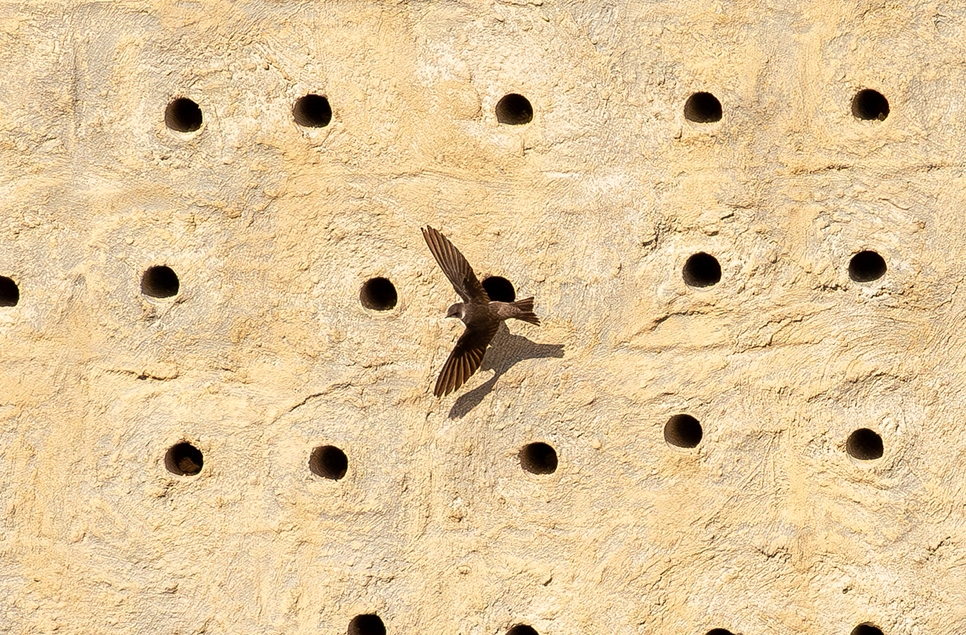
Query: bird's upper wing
454,265
465,359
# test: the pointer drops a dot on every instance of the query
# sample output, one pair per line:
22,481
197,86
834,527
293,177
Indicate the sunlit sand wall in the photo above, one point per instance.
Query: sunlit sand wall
220,326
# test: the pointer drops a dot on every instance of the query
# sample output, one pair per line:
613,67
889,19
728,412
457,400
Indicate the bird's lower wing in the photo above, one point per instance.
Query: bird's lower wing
455,266
465,360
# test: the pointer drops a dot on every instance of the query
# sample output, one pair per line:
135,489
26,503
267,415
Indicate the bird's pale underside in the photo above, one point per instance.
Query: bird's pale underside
481,316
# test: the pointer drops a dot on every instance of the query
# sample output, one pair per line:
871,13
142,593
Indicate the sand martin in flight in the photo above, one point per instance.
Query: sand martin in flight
481,316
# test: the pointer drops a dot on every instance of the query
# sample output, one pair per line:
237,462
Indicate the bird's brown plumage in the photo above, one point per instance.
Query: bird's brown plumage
465,359
481,316
455,266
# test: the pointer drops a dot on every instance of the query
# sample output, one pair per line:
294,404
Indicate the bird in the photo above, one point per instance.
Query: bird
481,315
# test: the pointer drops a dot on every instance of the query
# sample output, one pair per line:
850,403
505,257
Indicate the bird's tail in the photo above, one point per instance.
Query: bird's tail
525,311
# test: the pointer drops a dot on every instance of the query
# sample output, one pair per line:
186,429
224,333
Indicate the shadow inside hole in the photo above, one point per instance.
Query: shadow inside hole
870,105
719,631
701,270
538,458
522,629
369,624
160,282
9,292
183,115
183,459
866,629
864,445
312,111
378,294
702,108
683,431
514,110
867,266
329,462
499,289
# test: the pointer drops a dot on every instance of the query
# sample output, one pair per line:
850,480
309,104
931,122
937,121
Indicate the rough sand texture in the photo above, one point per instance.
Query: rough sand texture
768,526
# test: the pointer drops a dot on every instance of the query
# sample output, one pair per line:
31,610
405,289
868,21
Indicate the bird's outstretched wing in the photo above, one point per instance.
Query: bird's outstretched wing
456,268
465,359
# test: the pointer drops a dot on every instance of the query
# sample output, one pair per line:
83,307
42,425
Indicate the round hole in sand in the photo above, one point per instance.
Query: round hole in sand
538,458
870,105
499,289
329,462
9,292
312,111
378,294
683,431
183,115
368,624
183,459
160,282
701,270
867,266
514,110
864,445
702,108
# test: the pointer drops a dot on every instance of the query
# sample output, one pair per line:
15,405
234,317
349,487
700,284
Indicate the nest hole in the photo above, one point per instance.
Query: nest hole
701,270
183,115
378,294
538,458
329,462
160,282
184,459
702,108
870,105
683,431
312,111
864,445
867,266
9,292
369,624
514,110
499,289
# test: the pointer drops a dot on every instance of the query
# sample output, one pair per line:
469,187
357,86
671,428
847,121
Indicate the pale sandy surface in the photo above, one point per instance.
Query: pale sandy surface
767,527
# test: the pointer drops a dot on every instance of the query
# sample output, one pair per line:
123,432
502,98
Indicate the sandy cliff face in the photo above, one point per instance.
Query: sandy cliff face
253,348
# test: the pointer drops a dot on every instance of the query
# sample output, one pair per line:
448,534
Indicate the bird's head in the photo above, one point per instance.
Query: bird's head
455,310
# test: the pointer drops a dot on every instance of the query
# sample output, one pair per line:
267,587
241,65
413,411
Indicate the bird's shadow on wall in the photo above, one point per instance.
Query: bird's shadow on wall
505,351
